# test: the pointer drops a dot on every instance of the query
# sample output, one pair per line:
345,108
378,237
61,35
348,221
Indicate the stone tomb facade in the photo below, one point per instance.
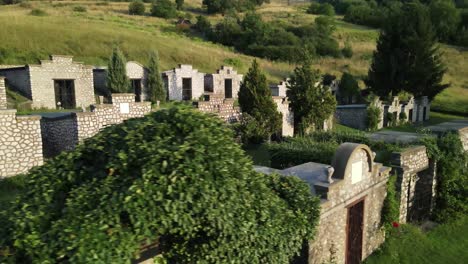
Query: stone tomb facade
279,89
226,82
56,83
352,192
136,73
184,83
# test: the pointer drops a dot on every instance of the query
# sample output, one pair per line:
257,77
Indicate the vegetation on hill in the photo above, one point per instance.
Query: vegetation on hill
174,179
90,37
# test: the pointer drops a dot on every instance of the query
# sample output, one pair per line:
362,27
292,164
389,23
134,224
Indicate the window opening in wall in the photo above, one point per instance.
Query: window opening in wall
65,94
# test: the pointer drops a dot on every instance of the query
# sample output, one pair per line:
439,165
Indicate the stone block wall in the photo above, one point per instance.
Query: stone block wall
354,116
63,68
282,104
173,79
464,137
416,183
20,143
223,108
62,134
3,95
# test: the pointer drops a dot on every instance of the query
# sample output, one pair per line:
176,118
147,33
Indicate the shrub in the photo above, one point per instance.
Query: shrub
38,12
136,8
9,2
321,9
174,178
391,206
203,26
347,51
403,118
25,5
79,8
164,9
179,4
373,118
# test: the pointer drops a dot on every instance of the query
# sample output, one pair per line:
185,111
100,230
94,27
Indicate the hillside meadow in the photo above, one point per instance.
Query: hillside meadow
90,35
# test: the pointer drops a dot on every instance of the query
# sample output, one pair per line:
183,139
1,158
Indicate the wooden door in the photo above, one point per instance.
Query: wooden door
136,87
187,89
354,233
65,94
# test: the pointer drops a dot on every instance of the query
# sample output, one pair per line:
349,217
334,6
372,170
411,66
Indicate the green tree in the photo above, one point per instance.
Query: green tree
348,88
117,80
164,9
203,25
445,17
136,8
255,99
179,4
311,103
154,83
175,179
407,57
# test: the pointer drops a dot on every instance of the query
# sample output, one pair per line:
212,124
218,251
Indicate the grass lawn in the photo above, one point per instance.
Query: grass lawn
444,244
9,189
259,154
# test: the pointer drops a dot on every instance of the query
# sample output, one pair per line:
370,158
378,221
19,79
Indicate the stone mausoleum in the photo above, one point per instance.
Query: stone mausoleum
136,73
56,83
184,83
226,81
352,191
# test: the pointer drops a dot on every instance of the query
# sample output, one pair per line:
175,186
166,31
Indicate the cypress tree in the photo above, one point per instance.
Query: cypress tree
117,80
255,99
154,83
312,104
407,57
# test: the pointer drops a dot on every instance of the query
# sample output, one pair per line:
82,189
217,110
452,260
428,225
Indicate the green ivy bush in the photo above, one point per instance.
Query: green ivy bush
373,118
452,176
136,8
391,206
174,178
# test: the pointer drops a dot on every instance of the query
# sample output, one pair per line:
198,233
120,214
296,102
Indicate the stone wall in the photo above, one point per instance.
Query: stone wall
65,132
464,137
60,68
354,116
223,108
282,104
173,80
3,95
416,183
20,143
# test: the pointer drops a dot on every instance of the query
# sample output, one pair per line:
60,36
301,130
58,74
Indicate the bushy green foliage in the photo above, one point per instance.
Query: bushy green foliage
407,58
452,176
203,26
224,6
403,117
255,37
38,12
10,2
391,206
154,82
179,4
349,88
320,146
164,9
80,8
255,99
445,17
373,117
175,178
321,9
117,80
136,8
347,51
312,104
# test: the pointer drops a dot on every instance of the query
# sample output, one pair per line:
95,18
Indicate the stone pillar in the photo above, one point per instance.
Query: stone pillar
3,95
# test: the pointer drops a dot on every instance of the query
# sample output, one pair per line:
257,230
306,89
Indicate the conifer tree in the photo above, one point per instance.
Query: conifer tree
255,99
407,57
154,83
117,80
311,102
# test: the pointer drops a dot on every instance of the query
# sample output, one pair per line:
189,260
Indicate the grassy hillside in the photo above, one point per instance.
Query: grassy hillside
90,36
